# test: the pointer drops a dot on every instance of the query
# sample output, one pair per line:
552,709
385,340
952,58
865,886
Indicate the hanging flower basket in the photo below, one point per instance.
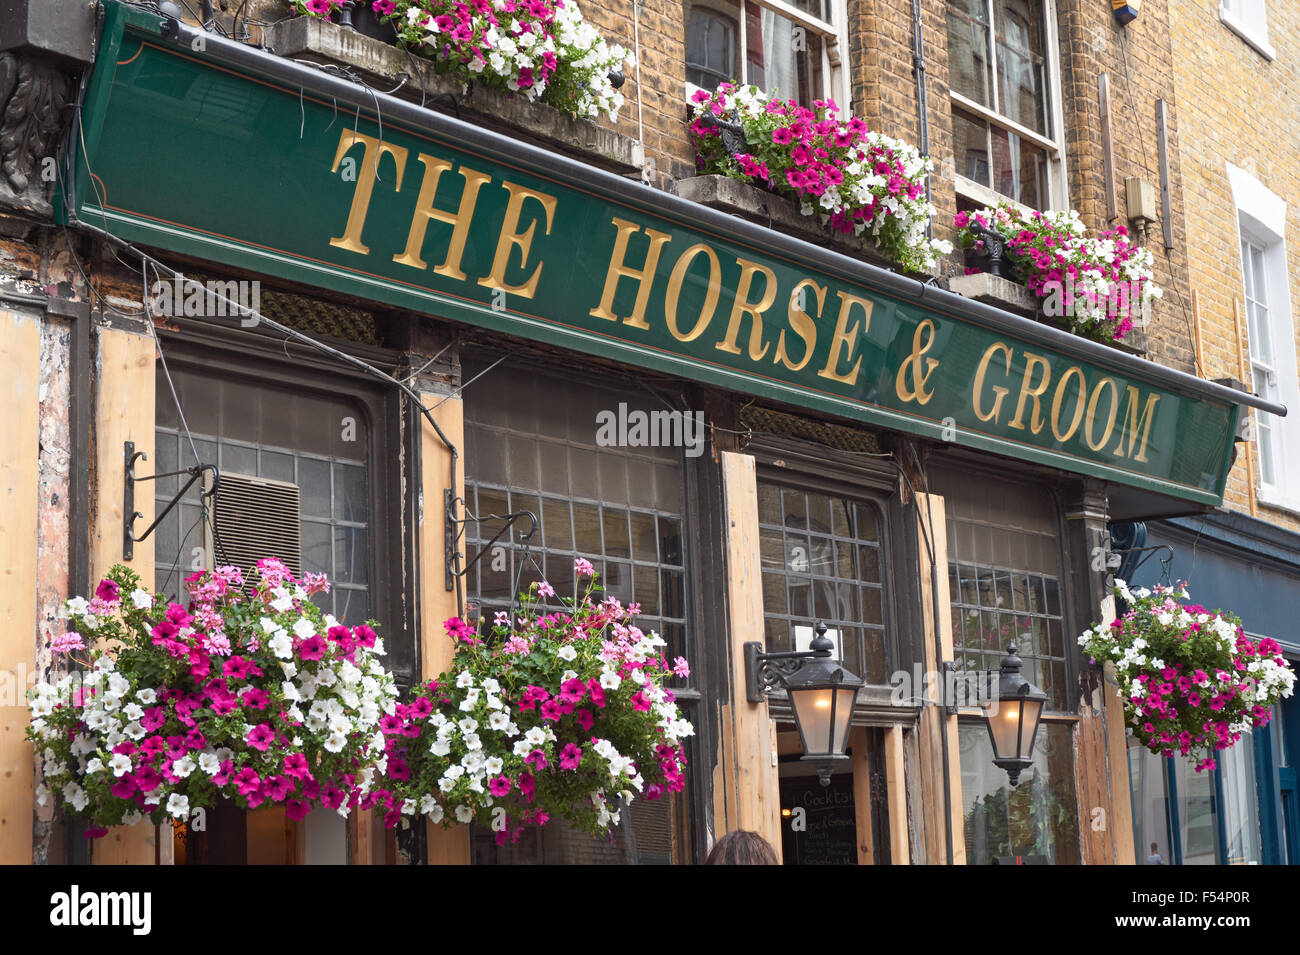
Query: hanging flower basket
1095,287
1192,682
251,694
551,715
858,182
542,49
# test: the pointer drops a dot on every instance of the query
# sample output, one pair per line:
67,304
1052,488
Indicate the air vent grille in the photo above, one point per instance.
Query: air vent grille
254,518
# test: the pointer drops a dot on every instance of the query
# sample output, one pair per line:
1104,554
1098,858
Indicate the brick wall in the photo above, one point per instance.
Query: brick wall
1235,107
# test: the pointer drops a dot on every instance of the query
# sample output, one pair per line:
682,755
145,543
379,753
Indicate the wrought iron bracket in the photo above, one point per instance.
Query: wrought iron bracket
995,247
455,530
767,671
130,514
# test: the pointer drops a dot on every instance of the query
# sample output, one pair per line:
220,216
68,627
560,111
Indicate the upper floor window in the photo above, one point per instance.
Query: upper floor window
1249,20
789,48
1006,133
1263,356
1261,218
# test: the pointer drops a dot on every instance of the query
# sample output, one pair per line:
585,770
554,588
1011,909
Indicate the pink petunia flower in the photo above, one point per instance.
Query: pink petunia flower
570,756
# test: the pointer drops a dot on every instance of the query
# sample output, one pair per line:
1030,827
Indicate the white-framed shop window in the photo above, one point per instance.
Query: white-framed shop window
1004,77
1261,222
1249,20
795,49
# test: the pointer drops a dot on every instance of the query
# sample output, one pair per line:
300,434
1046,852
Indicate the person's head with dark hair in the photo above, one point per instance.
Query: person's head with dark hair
742,848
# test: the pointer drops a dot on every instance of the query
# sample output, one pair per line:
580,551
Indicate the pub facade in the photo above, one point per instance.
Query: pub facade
544,338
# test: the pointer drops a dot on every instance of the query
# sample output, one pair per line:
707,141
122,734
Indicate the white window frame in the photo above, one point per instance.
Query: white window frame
1058,189
1249,20
835,46
1261,222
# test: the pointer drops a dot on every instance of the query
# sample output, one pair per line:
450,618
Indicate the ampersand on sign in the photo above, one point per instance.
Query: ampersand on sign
914,375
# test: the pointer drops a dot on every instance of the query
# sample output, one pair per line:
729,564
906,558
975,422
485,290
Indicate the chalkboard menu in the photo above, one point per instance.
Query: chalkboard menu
818,825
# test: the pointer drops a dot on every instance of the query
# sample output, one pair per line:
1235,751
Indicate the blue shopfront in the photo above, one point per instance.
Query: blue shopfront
1246,811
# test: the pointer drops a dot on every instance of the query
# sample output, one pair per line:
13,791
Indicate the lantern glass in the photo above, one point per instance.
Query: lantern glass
1013,728
823,714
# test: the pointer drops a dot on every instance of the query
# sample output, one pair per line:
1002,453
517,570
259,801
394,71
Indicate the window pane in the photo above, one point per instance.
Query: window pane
1240,804
1022,64
1019,169
970,147
821,576
780,59
710,48
1036,818
968,45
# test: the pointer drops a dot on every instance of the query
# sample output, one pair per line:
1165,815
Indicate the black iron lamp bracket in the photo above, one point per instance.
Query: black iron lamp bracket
130,514
767,671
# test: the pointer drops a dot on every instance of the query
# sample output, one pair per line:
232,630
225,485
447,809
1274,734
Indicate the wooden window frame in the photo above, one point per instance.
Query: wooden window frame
1053,143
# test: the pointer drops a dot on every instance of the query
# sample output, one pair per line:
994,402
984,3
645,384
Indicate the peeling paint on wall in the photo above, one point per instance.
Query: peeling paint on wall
53,469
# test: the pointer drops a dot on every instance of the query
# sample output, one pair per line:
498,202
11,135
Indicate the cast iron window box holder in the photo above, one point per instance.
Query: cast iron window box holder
130,514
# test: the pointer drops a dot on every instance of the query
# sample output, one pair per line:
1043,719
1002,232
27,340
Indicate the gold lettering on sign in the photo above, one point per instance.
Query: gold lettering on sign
675,290
618,268
743,306
372,151
1031,391
426,211
1080,402
846,336
914,374
1093,400
1135,421
802,324
995,412
511,237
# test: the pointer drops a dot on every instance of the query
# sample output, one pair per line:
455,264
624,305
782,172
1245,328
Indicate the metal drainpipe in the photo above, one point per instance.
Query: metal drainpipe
922,111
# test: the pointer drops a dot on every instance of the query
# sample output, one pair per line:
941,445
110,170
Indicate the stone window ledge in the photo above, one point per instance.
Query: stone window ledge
1011,296
775,212
384,66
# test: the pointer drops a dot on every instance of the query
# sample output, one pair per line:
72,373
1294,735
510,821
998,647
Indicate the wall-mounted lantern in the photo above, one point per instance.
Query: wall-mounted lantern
821,691
1013,727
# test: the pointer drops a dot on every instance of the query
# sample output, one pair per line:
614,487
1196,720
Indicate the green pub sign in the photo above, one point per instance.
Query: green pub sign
184,152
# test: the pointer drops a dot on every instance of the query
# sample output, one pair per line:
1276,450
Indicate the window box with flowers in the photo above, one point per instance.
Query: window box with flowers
833,180
1100,287
535,67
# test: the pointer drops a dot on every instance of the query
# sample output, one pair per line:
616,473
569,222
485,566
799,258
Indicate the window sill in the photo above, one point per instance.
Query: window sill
995,290
977,192
1277,501
776,212
1259,43
1011,296
385,65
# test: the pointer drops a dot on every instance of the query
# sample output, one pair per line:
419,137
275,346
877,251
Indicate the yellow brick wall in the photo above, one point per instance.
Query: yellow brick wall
1235,107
